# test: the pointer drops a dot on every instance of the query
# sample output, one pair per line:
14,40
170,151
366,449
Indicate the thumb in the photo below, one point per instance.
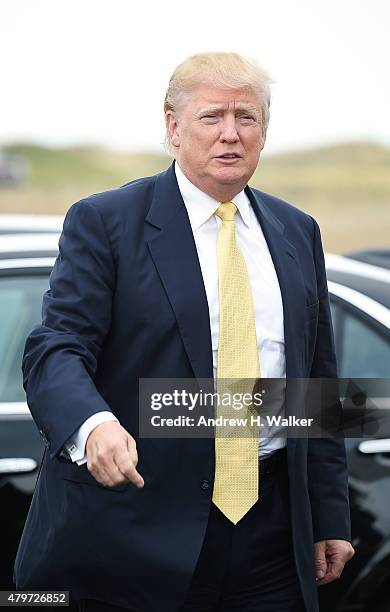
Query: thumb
320,560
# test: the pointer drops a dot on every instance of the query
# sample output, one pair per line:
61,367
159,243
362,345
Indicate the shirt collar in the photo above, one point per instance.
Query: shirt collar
200,206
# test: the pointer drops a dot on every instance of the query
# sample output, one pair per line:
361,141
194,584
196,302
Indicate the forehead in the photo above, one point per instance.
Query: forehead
207,95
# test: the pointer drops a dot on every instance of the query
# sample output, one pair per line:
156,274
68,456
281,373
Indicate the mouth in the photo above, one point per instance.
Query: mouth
228,157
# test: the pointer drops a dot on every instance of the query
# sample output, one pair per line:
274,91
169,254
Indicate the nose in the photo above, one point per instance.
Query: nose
228,130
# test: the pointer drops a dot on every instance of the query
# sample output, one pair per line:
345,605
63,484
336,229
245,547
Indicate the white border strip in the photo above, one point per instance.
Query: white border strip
29,222
32,262
15,409
17,243
338,263
374,309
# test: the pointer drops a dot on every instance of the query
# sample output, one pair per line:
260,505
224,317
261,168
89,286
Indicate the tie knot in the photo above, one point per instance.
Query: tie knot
226,211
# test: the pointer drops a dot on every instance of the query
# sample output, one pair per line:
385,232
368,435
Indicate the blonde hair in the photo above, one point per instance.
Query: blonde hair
221,69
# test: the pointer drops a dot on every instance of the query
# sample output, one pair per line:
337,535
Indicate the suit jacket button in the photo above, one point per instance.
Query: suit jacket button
205,485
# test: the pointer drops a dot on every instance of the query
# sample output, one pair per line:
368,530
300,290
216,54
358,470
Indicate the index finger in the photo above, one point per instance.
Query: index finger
128,469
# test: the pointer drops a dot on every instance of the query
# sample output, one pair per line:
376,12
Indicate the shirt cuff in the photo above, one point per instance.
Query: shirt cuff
76,444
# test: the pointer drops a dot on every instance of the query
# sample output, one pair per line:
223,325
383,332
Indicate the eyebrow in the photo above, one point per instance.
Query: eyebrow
241,108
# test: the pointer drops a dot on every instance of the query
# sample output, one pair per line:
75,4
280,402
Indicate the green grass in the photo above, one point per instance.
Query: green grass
84,166
346,187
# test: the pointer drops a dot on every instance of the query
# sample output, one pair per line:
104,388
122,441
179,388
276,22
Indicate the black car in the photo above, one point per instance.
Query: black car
360,302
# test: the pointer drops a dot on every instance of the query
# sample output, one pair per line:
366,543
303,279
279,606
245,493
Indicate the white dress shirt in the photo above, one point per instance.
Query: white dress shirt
266,294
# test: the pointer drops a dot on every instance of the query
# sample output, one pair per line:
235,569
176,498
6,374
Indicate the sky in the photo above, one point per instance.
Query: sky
96,71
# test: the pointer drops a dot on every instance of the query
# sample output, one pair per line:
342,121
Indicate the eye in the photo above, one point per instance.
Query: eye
209,118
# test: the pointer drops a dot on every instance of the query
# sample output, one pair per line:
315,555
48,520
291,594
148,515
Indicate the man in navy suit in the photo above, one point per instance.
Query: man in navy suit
129,522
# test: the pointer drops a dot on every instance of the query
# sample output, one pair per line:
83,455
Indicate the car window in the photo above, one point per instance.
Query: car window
20,310
363,350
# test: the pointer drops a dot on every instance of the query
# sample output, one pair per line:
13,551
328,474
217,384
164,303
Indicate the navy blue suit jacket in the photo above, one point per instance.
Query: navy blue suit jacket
127,301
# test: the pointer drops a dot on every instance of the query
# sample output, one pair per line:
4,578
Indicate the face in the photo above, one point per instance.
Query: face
217,137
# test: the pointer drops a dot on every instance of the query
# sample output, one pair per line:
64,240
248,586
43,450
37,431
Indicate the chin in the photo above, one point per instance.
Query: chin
229,176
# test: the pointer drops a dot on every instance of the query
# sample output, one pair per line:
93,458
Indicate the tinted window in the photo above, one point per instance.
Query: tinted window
363,349
20,310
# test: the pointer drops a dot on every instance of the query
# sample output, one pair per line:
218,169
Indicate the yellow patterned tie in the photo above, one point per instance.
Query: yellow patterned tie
236,448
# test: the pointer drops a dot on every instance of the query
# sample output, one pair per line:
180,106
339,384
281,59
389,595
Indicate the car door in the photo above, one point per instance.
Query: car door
21,447
363,351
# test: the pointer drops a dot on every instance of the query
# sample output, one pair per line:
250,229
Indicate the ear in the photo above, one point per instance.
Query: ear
263,138
172,126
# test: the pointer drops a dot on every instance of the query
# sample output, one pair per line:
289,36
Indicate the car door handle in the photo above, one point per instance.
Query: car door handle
370,447
18,465
379,449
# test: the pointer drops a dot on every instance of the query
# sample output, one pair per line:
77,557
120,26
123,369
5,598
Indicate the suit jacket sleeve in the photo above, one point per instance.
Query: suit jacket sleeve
61,354
327,465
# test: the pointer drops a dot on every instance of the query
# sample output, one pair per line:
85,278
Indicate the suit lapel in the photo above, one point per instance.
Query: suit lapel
285,259
172,247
